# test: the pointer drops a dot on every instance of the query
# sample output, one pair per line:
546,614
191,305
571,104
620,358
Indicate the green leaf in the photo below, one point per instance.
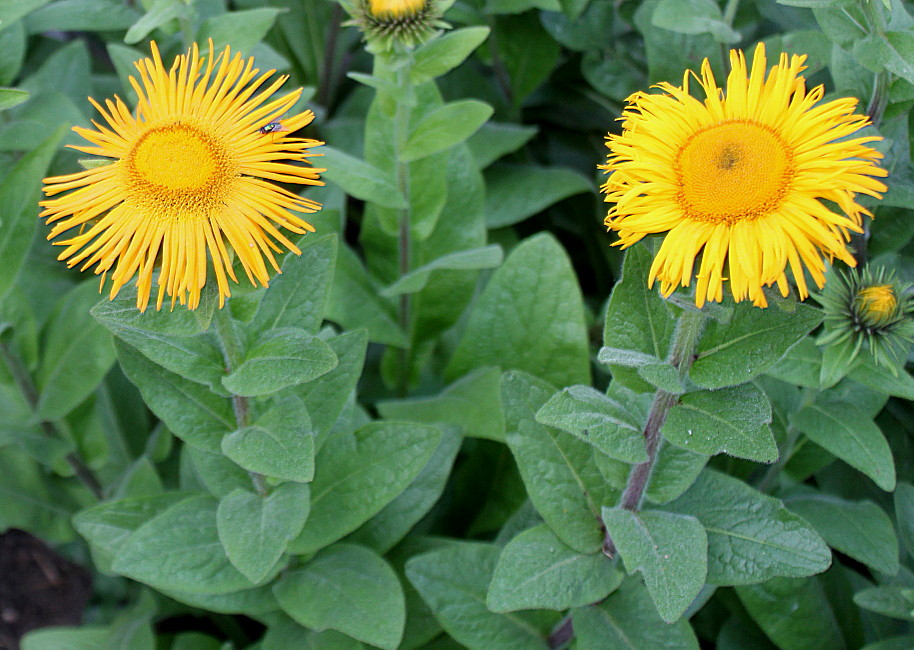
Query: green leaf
394,521
749,549
19,192
82,15
694,17
670,550
794,613
443,54
880,378
444,127
529,317
904,514
121,313
628,620
326,398
891,51
638,321
861,530
753,341
213,471
515,192
477,258
536,570
562,479
77,355
596,419
281,358
10,97
191,411
851,436
529,53
453,581
279,444
347,588
90,637
180,549
801,365
160,13
674,471
240,29
361,179
255,530
354,302
13,10
732,421
250,602
471,403
493,140
892,601
358,474
107,525
297,297
197,358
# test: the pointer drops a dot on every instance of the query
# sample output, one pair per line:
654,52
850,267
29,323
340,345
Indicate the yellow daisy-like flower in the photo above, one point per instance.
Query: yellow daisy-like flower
875,304
193,178
740,178
395,8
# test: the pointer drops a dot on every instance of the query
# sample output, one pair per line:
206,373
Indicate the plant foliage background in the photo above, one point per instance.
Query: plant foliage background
436,441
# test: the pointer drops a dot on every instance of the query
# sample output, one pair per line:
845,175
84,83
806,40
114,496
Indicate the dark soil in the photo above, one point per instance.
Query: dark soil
38,588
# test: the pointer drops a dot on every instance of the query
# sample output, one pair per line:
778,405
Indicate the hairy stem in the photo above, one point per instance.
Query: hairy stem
26,386
401,131
232,353
682,353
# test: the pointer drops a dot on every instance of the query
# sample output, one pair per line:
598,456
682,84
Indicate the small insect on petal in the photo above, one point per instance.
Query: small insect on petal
272,127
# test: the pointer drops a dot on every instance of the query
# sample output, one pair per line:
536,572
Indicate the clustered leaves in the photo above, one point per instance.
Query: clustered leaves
460,418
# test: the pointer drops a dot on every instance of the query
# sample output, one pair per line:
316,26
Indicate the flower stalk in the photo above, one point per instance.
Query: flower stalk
688,332
232,352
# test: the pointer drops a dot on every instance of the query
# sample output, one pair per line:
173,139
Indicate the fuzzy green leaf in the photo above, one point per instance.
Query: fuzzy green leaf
191,411
627,620
596,419
537,570
562,479
515,192
360,473
893,601
445,53
851,436
241,29
18,197
493,140
280,443
529,317
671,551
444,127
298,295
282,357
795,613
361,179
732,421
753,341
254,530
749,549
861,530
78,353
453,581
470,260
347,588
904,514
180,549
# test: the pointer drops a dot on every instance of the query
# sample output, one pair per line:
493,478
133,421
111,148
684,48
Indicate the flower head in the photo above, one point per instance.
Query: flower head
192,180
870,308
740,178
386,23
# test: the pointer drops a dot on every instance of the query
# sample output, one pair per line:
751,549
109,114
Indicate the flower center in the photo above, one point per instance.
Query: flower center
733,171
395,8
176,165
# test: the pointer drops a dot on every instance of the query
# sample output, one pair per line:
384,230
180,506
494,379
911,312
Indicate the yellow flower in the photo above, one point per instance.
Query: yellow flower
740,177
875,304
395,8
387,23
193,178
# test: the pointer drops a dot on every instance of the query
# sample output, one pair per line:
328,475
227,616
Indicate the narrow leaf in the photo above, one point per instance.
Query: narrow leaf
444,127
